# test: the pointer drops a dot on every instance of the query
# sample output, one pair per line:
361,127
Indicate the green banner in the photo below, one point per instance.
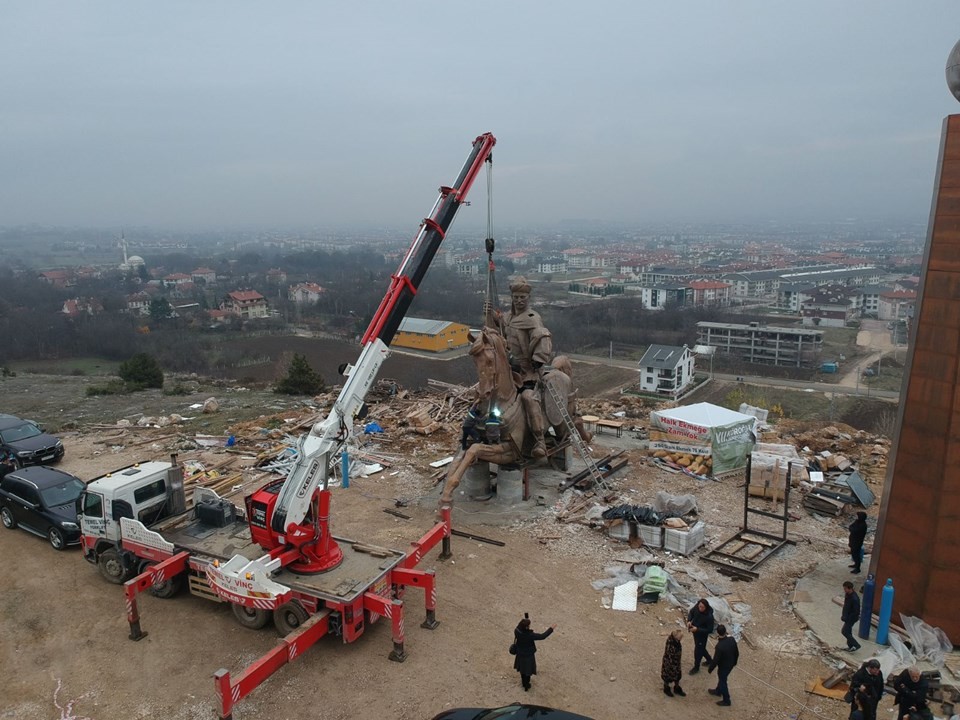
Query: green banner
731,444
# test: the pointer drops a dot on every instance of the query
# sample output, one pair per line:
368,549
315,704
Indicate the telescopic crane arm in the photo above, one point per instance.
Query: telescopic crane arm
319,449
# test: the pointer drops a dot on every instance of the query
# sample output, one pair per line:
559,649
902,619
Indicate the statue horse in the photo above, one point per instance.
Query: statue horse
507,438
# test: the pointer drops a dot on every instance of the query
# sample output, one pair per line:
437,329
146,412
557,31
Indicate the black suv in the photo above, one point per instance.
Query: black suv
26,442
43,501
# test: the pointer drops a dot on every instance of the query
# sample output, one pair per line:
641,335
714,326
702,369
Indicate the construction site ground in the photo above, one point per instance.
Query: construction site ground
65,652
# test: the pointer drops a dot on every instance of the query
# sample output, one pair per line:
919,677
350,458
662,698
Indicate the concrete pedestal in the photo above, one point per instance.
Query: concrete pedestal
476,481
509,486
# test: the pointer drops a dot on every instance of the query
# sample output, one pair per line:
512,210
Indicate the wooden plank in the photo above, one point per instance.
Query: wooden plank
753,553
737,547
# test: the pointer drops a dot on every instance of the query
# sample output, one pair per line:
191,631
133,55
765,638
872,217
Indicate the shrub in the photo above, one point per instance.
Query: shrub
141,371
114,387
301,379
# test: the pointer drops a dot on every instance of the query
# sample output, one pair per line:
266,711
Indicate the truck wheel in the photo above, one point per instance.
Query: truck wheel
252,618
111,567
7,518
56,539
168,588
288,617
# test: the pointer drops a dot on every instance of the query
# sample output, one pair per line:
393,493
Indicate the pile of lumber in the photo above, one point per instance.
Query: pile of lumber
420,421
829,499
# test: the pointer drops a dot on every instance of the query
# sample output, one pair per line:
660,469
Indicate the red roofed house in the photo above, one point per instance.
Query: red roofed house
57,278
81,306
275,276
519,258
710,292
896,305
204,275
245,304
175,279
302,293
138,304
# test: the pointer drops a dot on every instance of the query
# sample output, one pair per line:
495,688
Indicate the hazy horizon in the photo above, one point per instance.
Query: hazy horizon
236,115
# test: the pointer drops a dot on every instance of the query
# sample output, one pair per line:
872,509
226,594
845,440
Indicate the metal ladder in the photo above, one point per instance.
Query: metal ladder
575,438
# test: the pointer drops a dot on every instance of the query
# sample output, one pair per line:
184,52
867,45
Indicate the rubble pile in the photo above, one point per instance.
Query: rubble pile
838,447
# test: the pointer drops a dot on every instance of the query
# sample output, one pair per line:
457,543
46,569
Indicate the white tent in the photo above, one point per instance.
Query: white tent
706,430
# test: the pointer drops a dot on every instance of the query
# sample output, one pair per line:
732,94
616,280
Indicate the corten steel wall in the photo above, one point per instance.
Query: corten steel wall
918,536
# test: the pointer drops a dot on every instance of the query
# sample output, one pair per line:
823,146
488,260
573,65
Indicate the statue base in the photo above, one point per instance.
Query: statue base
476,481
510,486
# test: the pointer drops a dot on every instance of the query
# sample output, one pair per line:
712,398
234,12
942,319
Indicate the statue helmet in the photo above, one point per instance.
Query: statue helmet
520,285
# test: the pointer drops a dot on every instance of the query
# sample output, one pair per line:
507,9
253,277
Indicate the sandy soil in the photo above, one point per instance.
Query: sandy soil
65,652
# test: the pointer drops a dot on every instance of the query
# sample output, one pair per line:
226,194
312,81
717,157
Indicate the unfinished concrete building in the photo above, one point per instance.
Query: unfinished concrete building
763,344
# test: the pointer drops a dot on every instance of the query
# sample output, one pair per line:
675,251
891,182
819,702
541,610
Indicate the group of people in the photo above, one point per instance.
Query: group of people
866,689
700,622
726,654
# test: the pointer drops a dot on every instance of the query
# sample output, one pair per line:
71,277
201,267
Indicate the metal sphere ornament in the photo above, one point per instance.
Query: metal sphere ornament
953,71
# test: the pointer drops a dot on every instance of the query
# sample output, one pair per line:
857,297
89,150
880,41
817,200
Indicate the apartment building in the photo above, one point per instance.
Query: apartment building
763,344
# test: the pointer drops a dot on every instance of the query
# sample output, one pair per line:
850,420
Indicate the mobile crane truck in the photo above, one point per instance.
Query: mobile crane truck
276,557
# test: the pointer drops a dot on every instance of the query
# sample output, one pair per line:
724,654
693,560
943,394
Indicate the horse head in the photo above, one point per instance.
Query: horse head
489,353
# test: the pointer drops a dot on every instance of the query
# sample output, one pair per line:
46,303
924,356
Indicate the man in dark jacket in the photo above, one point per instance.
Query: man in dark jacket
525,639
911,687
700,623
849,615
725,657
858,531
869,679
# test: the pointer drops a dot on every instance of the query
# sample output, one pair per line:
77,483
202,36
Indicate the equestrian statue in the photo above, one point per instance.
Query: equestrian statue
514,359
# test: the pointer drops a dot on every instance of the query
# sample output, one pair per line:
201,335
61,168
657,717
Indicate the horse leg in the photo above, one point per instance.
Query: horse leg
500,454
457,469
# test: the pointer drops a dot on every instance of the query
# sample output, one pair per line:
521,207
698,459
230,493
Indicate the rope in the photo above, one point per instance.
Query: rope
491,302
801,703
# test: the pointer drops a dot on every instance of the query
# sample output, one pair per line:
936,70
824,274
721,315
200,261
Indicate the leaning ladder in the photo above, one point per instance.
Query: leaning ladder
575,438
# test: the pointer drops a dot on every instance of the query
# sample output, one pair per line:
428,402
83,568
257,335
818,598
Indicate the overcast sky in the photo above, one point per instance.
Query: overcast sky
347,114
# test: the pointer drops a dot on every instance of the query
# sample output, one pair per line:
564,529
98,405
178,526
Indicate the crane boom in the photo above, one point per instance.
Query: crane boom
319,448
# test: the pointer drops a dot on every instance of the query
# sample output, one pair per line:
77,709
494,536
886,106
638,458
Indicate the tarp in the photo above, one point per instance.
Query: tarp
729,434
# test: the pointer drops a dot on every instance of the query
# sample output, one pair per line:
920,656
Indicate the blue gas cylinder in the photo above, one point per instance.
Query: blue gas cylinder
886,608
866,607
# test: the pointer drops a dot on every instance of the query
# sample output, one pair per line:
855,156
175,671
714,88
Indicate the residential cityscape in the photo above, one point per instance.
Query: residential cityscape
760,297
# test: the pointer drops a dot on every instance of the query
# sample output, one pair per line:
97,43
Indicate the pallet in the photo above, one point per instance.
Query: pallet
201,588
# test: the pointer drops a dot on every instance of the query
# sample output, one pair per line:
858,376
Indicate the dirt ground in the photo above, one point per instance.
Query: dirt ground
65,654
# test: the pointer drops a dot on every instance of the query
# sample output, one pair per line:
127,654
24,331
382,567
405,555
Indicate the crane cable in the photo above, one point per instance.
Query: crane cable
492,301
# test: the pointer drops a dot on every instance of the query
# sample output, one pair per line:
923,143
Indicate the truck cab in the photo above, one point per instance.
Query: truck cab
147,491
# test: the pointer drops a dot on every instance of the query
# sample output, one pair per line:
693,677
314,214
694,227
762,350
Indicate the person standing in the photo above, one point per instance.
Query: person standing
700,623
869,681
525,661
911,689
671,669
849,615
858,531
726,654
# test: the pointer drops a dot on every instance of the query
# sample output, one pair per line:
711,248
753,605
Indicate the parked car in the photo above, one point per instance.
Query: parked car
42,500
510,712
27,443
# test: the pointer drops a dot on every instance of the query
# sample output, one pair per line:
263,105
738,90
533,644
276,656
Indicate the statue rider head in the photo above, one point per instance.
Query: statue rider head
520,295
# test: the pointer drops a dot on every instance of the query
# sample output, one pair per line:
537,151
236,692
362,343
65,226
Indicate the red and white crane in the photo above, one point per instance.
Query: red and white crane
279,559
